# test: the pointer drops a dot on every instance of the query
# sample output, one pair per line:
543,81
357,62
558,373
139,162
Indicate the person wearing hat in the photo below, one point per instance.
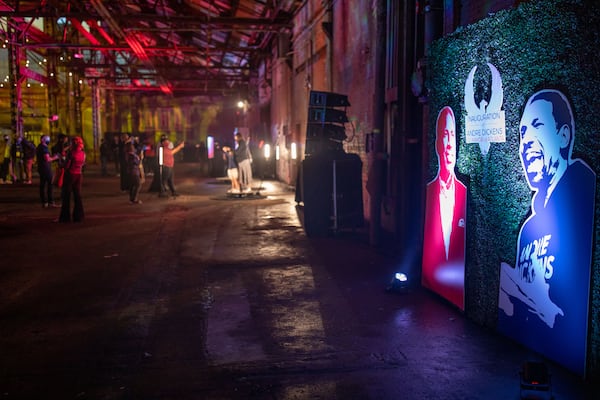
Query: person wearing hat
44,166
72,183
167,167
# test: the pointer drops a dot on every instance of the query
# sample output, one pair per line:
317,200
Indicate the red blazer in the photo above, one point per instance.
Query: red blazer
445,276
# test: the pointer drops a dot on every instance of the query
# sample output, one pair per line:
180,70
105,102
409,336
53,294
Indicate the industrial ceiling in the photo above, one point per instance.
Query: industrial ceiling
177,47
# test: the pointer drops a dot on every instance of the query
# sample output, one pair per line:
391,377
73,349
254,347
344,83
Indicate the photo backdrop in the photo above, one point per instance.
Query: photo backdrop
537,45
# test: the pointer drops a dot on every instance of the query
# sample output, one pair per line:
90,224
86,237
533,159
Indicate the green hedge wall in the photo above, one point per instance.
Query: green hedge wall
539,44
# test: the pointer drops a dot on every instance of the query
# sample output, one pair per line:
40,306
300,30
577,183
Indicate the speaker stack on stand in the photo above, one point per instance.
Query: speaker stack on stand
330,180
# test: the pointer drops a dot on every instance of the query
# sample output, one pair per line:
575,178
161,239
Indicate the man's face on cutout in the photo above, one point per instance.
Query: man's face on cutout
540,143
446,143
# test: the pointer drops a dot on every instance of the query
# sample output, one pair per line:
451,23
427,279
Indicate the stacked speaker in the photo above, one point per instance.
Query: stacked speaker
326,131
330,180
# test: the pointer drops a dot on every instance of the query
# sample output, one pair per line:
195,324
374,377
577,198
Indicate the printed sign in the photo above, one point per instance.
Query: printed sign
485,123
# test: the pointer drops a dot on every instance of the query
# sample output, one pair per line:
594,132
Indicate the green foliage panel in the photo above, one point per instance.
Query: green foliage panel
540,44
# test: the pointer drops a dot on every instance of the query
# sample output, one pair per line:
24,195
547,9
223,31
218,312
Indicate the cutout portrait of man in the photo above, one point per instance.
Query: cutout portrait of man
543,299
443,266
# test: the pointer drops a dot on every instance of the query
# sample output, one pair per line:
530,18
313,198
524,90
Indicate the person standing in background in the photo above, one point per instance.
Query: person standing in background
135,173
4,158
167,168
44,166
60,149
243,159
105,154
114,146
75,161
28,158
16,160
232,170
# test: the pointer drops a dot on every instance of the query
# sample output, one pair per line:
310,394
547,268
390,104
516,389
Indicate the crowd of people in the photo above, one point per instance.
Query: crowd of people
134,160
60,166
16,160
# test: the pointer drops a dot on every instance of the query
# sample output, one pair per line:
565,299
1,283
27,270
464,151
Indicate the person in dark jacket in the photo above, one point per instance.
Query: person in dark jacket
134,172
28,158
44,166
16,160
244,161
105,156
60,149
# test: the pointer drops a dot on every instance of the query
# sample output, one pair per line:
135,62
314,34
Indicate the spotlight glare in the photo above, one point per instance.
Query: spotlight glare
401,277
399,283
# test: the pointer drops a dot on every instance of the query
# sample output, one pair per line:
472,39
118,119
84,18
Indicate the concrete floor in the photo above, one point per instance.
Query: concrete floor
206,297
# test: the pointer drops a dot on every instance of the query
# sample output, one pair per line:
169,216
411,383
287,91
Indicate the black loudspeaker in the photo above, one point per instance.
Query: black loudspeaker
336,132
327,99
331,192
324,138
329,181
324,115
316,189
325,130
347,192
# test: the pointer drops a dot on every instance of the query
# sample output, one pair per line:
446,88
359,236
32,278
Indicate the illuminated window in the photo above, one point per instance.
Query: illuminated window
294,151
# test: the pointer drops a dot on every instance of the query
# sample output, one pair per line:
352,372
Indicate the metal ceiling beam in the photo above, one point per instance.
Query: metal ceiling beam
173,66
180,22
124,47
214,49
131,40
203,78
